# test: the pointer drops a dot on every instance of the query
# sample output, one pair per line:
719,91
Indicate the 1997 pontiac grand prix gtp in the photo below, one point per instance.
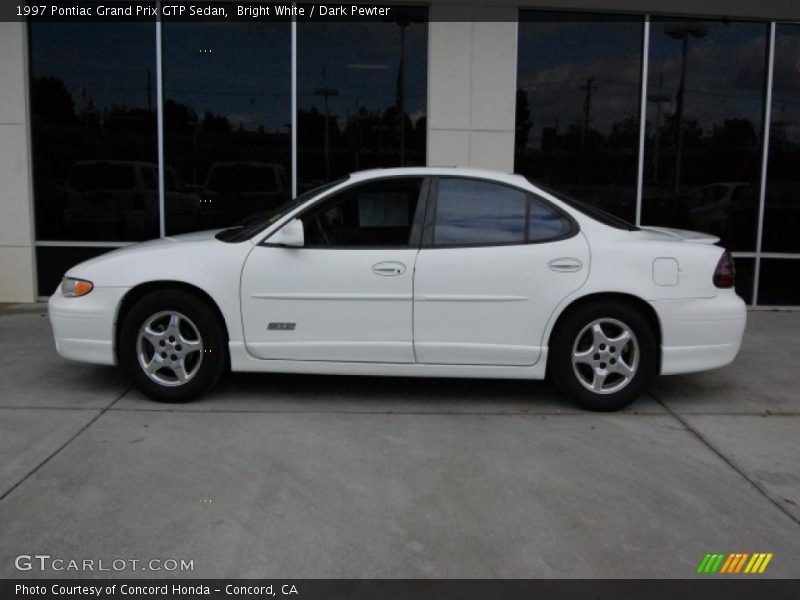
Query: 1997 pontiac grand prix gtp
430,272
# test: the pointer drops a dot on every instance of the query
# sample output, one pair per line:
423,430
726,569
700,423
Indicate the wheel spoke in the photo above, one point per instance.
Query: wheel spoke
584,357
156,363
154,337
599,380
622,339
622,368
179,368
190,346
598,335
174,323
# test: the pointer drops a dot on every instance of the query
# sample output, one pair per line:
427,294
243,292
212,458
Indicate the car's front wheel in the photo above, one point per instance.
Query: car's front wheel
604,355
173,346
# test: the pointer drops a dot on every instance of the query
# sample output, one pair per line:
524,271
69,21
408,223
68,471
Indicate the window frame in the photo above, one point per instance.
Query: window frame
415,235
428,239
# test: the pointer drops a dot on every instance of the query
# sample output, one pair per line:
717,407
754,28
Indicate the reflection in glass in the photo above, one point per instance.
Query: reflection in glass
777,281
577,116
782,201
745,271
227,122
52,262
706,82
362,95
94,131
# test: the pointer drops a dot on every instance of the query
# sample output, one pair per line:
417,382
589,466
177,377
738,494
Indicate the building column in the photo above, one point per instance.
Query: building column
472,79
16,220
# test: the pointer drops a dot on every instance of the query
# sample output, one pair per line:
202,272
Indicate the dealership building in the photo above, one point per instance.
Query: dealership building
667,113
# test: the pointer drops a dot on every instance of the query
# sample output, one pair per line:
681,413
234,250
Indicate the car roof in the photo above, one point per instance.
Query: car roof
499,176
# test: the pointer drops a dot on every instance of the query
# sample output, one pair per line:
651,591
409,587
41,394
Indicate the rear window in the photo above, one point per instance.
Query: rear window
589,210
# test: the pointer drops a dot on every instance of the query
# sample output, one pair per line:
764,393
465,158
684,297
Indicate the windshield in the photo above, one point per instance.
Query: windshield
250,226
589,210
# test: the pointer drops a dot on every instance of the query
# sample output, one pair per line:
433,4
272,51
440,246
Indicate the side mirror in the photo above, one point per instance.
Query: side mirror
290,235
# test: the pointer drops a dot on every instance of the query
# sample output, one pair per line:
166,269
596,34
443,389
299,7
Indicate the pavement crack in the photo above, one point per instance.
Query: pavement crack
705,441
58,450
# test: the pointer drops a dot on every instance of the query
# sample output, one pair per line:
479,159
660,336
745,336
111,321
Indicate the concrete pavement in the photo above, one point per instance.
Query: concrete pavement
297,476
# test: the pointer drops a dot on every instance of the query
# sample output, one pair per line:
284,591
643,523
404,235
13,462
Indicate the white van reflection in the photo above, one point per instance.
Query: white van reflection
116,199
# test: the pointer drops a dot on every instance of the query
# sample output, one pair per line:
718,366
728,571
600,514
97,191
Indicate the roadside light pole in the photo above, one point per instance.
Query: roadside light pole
659,98
401,92
682,31
326,92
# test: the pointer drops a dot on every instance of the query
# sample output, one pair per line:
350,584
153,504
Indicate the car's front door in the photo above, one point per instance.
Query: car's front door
495,263
346,294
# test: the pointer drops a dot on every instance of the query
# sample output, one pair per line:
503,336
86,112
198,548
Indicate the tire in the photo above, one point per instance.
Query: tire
183,341
593,370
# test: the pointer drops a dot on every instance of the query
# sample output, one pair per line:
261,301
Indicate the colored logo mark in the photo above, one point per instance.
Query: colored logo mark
735,562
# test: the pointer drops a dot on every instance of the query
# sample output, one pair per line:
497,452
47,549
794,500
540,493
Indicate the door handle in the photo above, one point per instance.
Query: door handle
565,265
389,269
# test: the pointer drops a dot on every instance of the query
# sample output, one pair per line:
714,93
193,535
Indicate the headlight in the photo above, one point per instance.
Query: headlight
73,288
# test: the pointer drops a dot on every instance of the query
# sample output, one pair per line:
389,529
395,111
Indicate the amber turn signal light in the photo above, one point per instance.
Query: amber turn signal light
74,288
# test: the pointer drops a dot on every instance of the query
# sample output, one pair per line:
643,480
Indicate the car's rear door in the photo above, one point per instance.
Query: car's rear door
495,263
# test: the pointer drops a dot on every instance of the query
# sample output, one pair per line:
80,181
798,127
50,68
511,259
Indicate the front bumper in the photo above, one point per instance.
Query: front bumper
83,327
700,333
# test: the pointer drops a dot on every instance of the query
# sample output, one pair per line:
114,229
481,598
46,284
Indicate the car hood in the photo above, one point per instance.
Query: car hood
150,246
666,234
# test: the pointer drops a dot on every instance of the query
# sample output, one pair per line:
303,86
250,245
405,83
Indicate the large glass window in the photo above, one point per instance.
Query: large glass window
577,116
705,105
777,282
782,202
93,114
227,122
362,95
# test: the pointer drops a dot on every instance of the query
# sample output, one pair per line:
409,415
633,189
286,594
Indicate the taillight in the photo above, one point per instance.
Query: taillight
725,273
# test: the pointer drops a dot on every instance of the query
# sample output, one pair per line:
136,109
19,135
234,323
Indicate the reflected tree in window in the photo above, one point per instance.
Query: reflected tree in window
362,95
705,103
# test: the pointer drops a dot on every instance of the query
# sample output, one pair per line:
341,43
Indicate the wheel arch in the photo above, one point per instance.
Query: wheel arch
624,298
141,290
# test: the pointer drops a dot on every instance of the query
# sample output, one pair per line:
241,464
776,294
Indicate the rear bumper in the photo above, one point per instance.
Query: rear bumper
83,328
701,333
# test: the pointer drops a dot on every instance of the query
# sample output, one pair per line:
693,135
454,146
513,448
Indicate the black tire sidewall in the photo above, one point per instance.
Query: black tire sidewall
211,331
561,354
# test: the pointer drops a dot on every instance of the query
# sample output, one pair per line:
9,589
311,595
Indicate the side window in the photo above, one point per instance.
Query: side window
545,222
376,213
473,212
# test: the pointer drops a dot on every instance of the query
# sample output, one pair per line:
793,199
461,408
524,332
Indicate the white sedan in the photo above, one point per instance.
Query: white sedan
427,272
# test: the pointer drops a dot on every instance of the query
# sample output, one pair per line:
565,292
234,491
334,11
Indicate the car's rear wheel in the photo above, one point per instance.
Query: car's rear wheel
603,355
173,346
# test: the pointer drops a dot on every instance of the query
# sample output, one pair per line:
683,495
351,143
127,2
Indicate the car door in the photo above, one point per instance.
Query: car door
346,294
495,263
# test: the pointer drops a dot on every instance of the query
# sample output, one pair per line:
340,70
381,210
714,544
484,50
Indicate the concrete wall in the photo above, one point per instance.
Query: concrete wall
16,223
472,79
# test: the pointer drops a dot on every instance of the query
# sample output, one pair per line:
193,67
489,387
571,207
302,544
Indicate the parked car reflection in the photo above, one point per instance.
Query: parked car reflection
116,199
236,190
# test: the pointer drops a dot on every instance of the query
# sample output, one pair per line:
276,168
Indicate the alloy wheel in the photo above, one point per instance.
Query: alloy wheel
605,356
169,348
